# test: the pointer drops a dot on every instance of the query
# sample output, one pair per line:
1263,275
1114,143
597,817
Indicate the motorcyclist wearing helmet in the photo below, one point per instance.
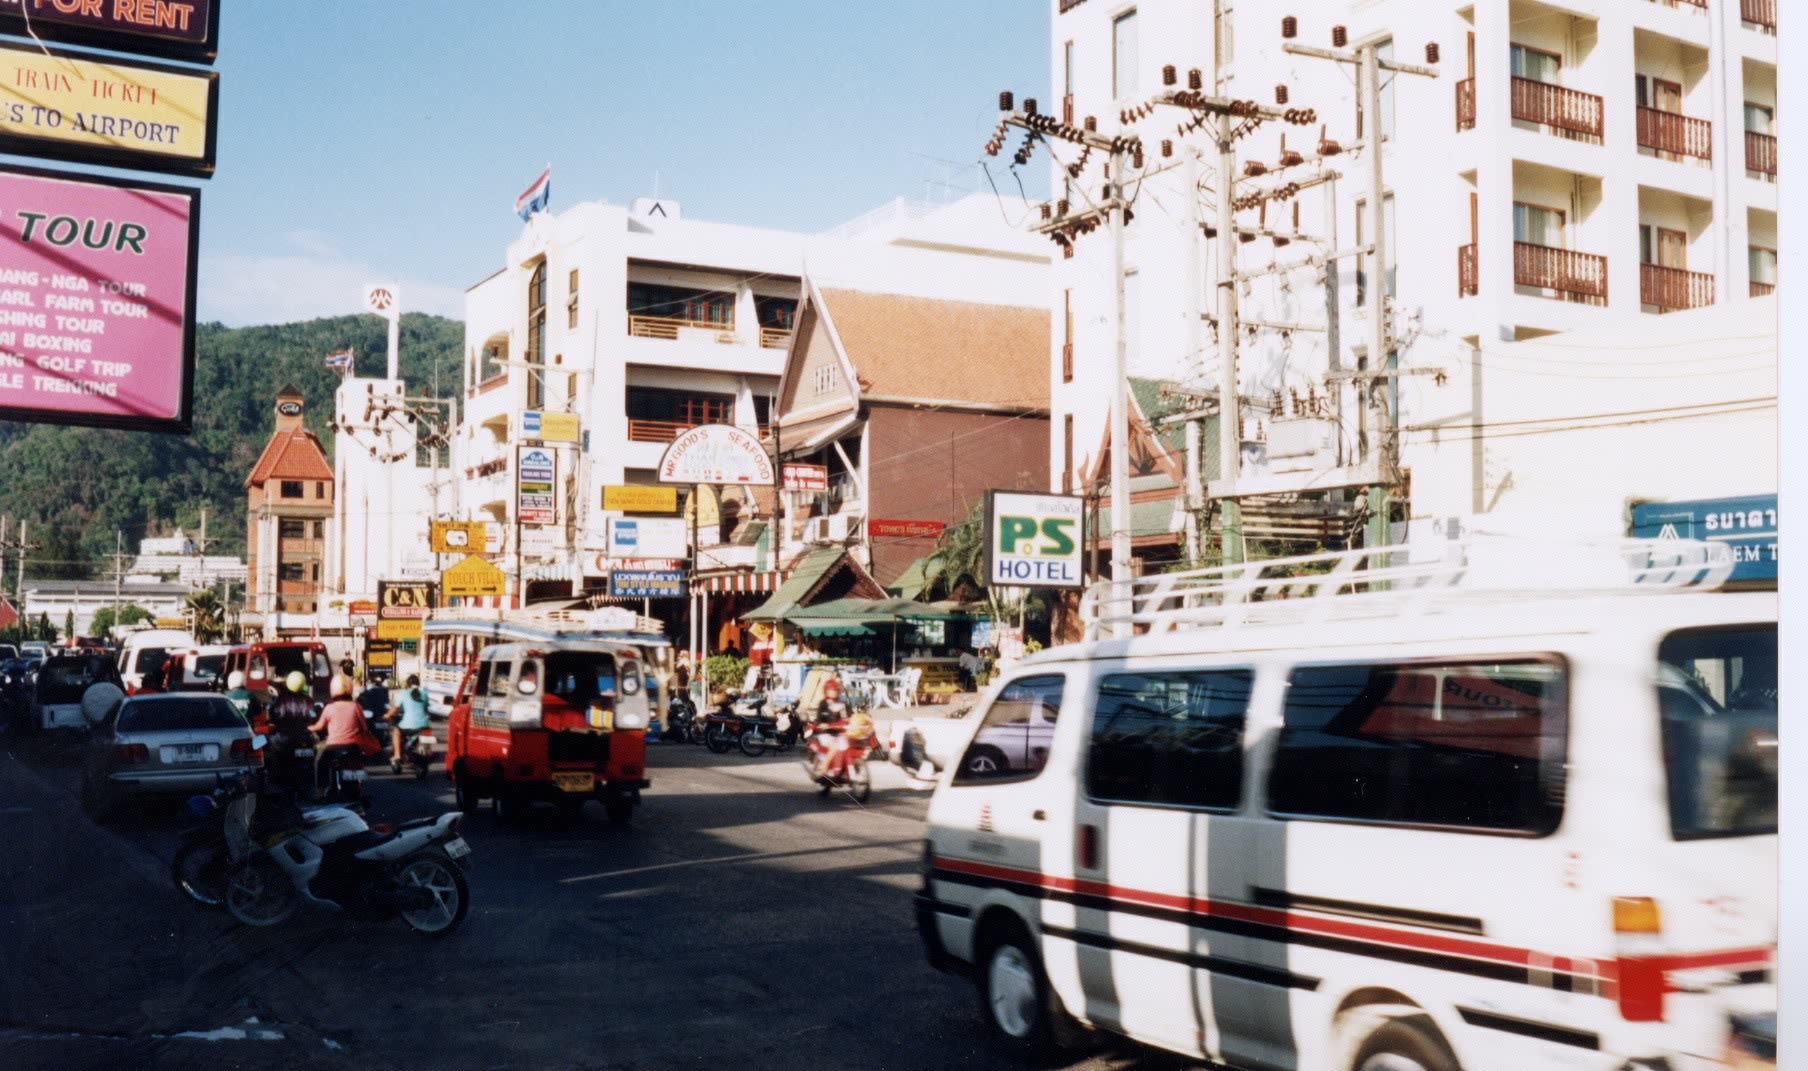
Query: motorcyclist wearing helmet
343,722
289,716
409,715
243,698
857,728
292,711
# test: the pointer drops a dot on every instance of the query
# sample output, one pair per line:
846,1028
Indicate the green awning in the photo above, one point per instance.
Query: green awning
834,628
814,566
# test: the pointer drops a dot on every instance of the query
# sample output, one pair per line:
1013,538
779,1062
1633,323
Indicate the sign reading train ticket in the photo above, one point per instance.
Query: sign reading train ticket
118,113
178,29
97,301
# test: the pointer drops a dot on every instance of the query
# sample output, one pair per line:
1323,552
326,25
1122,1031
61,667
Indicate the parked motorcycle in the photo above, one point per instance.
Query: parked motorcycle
334,861
681,720
779,732
723,727
201,863
853,775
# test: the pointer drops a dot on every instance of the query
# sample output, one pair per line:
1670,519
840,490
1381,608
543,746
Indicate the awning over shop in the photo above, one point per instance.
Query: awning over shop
865,617
734,583
824,574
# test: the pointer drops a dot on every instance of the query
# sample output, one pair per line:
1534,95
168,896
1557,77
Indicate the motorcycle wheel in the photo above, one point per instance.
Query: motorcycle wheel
258,893
860,780
752,744
199,870
718,740
423,764
432,871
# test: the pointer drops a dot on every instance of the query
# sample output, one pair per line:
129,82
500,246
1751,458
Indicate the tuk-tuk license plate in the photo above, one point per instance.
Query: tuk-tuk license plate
457,848
574,782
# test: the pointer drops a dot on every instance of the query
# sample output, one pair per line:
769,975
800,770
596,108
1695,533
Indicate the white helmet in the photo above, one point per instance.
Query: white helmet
235,680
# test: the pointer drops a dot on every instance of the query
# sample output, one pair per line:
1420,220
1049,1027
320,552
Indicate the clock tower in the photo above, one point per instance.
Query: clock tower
289,405
289,507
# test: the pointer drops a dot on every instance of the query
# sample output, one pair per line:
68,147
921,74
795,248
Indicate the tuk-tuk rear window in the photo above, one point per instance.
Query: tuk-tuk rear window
578,677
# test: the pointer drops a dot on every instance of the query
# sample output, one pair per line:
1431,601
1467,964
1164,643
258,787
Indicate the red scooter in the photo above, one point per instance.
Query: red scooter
848,770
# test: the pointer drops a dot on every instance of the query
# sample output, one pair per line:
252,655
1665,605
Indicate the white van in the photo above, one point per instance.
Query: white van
146,650
1423,826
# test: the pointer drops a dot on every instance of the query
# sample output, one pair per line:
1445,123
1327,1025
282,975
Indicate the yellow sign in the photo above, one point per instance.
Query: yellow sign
398,628
458,537
119,113
172,622
384,659
473,576
558,427
640,499
702,510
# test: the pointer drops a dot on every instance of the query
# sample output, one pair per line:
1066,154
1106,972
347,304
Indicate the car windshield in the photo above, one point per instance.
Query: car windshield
63,680
1717,697
165,715
149,658
577,677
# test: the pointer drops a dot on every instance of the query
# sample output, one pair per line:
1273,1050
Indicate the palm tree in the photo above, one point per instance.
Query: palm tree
207,614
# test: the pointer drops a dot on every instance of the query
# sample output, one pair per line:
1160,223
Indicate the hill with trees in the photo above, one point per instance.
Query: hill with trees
76,486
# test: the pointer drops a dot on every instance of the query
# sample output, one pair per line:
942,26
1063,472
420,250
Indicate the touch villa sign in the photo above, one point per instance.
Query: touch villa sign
97,291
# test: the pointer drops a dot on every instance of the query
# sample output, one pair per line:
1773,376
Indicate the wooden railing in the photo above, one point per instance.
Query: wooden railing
1759,289
664,431
1701,4
1760,153
1577,276
1680,135
1761,13
1571,111
774,338
491,384
1674,288
1465,104
663,327
1468,272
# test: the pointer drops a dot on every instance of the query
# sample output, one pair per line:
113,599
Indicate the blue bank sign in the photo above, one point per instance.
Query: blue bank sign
1747,525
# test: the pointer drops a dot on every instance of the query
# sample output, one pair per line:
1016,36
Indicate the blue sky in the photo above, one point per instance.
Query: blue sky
387,141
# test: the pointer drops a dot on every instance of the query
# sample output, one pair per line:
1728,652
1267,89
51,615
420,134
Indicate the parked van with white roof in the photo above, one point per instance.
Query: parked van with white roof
1359,813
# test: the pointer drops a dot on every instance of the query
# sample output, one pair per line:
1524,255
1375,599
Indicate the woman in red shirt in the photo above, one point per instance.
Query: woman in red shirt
343,722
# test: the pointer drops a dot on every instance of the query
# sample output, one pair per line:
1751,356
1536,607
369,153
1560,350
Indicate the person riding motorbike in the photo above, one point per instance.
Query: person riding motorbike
247,703
857,728
343,722
408,715
289,716
375,700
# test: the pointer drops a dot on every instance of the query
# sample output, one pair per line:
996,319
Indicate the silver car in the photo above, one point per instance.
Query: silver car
163,745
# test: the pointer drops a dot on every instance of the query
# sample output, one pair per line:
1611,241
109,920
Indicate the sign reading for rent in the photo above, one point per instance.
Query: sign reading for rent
1033,541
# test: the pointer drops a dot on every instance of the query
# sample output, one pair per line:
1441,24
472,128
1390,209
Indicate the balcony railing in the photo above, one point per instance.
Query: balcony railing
1576,276
1699,5
1465,104
1468,277
1571,112
664,431
1679,135
1759,289
1674,288
1760,153
664,327
1760,13
774,338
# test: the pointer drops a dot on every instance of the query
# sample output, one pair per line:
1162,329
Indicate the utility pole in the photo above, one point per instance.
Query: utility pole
1383,362
119,570
1120,389
25,547
1230,416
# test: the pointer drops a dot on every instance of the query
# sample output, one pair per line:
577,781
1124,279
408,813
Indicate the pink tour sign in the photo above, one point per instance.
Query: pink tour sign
97,301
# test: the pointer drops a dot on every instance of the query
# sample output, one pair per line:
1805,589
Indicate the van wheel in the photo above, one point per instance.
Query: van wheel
1021,1011
509,807
1400,1046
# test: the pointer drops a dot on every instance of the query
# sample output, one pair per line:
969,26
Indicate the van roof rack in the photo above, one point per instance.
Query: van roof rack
1383,581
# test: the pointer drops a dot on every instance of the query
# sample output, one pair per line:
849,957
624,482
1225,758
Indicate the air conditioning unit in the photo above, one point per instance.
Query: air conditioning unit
816,529
838,527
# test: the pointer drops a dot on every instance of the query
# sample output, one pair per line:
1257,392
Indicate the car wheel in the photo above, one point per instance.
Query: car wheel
1400,1046
1021,1012
984,760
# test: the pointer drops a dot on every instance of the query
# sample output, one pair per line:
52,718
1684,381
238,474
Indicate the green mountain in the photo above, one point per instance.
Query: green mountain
76,486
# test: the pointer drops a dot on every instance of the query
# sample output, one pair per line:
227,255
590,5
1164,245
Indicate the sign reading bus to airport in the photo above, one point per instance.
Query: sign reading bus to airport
97,301
1034,541
179,29
716,454
117,113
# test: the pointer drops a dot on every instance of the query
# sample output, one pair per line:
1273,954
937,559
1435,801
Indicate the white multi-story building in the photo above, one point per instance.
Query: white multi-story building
1573,167
638,323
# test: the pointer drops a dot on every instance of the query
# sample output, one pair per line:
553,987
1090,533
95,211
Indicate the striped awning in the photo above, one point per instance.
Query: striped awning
731,583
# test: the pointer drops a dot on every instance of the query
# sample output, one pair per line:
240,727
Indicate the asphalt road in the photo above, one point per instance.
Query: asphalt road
739,921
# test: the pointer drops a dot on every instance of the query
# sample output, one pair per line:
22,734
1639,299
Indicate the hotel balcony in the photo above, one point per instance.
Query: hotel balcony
1759,14
1668,289
771,338
1762,289
1761,153
1561,273
1468,272
1674,136
1565,112
664,431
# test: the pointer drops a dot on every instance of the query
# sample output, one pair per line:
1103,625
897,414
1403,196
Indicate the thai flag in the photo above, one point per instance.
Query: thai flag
536,197
341,360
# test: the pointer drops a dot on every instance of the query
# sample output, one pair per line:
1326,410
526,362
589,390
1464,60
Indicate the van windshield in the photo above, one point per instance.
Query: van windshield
1717,697
150,658
63,680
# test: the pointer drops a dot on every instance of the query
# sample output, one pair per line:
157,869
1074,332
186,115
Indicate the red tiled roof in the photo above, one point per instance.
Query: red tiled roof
291,455
938,350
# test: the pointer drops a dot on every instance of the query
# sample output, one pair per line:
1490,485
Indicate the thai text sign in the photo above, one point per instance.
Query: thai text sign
640,499
1033,540
1747,525
716,454
97,301
806,478
647,537
454,537
472,577
116,113
882,529
536,468
186,29
646,584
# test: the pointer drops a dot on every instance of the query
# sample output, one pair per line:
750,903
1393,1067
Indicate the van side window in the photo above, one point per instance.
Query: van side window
1717,698
1012,743
481,686
499,680
1465,744
1169,738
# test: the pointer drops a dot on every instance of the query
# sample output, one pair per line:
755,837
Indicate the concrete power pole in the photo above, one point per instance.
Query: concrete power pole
1120,401
1230,417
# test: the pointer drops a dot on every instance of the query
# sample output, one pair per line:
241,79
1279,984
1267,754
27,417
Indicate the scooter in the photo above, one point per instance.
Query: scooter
725,724
200,866
418,751
854,774
681,720
776,733
342,775
331,859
